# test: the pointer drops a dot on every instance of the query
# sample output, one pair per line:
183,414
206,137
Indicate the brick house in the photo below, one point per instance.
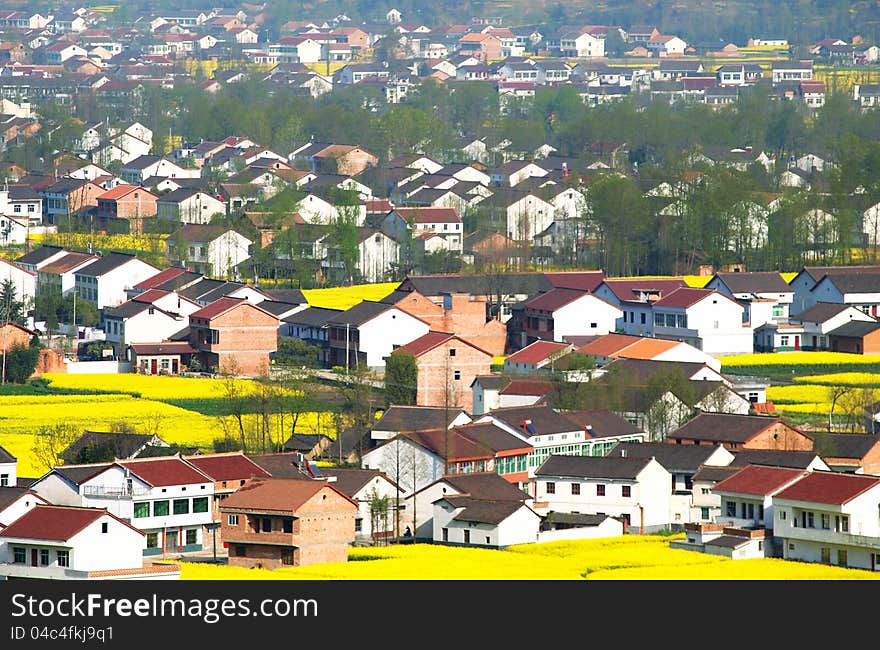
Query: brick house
232,329
130,202
271,523
343,159
741,432
447,365
14,335
856,338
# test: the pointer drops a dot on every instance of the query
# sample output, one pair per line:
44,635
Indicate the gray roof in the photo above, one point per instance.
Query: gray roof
6,457
123,445
855,329
483,512
294,296
773,457
415,418
487,486
106,263
282,465
723,427
820,312
715,473
127,309
845,445
863,280
492,382
601,422
304,442
38,255
364,311
80,473
9,494
675,458
201,288
312,316
574,519
728,541
277,307
350,479
142,162
543,419
185,279
528,283
601,467
755,282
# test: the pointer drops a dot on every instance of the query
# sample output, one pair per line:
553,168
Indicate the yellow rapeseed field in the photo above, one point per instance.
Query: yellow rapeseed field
842,378
147,386
347,297
625,557
795,359
147,243
798,394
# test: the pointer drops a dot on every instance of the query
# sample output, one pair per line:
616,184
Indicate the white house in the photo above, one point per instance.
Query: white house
525,214
25,282
377,255
8,469
143,167
445,222
536,355
635,490
213,250
465,521
189,206
369,331
106,280
364,486
582,43
765,296
16,501
831,518
165,497
423,465
144,319
559,313
74,543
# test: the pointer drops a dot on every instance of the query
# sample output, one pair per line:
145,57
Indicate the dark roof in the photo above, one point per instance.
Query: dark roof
774,457
312,316
755,282
227,467
490,435
483,512
728,541
672,457
106,263
639,371
855,329
80,473
39,254
364,311
492,382
820,312
541,419
723,427
294,296
184,279
9,494
554,299
600,423
574,519
415,418
277,307
6,457
200,288
592,467
282,465
855,281
844,445
486,485
123,445
504,283
304,442
127,309
714,473
349,480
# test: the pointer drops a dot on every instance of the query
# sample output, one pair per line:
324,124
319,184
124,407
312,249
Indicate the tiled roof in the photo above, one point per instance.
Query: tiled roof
855,329
218,307
227,467
54,523
278,494
534,420
755,282
6,457
78,474
484,485
162,472
121,191
835,488
166,347
351,479
630,289
772,457
647,348
483,512
67,263
686,296
759,480
414,418
820,312
580,280
107,263
608,345
674,458
554,299
122,444
537,352
9,495
429,215
281,465
723,427
526,387
361,313
592,467
600,423
845,445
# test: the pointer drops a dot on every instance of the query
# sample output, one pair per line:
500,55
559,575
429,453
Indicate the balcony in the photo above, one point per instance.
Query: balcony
112,492
826,536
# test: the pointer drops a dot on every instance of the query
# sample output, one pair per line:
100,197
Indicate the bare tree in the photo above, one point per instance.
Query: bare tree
50,441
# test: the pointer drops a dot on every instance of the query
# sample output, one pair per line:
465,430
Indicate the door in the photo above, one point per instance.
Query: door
797,342
154,366
174,366
815,346
33,557
171,540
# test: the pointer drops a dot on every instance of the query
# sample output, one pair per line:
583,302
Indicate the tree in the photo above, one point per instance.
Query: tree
401,378
236,401
50,441
19,363
379,506
12,309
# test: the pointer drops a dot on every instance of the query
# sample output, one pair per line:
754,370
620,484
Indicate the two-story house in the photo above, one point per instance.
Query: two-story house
560,312
765,296
736,432
105,281
189,205
214,250
130,203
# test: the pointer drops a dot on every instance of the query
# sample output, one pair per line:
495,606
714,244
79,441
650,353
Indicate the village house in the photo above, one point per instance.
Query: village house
399,418
310,325
559,313
538,355
120,445
276,522
24,281
232,333
366,486
69,196
59,277
447,365
464,520
150,317
138,170
736,431
809,329
74,543
129,202
765,296
851,453
105,281
213,250
16,501
189,205
490,392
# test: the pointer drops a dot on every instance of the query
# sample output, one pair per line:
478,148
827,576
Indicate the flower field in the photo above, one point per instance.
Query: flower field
791,365
347,297
620,558
866,379
147,386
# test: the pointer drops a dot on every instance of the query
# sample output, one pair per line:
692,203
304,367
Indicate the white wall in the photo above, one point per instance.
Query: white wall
228,250
392,327
9,471
57,491
383,488
608,528
119,548
577,318
18,507
391,462
112,285
519,528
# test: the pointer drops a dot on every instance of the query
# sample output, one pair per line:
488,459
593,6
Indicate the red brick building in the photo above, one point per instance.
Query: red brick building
741,432
234,331
130,202
447,366
277,522
13,334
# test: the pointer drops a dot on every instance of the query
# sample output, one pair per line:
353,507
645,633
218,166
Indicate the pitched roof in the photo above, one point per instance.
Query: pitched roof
278,494
79,474
773,457
820,312
6,457
67,263
537,352
123,445
282,465
834,488
554,299
581,280
106,263
534,420
754,282
600,423
433,339
351,479
160,277
845,445
686,296
534,387
608,344
429,214
592,467
363,312
484,485
38,255
227,467
714,473
724,427
415,418
490,435
55,523
222,305
121,191
631,289
759,480
162,472
312,316
855,329
672,457
483,512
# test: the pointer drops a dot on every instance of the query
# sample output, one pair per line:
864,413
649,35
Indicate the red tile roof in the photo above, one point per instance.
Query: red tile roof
554,299
583,280
160,472
56,523
829,487
227,467
160,277
150,296
609,344
537,352
218,307
759,480
629,289
121,191
684,297
278,494
429,215
432,339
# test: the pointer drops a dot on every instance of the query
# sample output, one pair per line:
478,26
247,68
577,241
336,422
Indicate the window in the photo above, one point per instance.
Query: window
445,534
731,508
141,509
358,525
826,555
160,508
152,540
287,557
63,558
191,534
240,550
551,487
181,506
266,525
826,521
200,504
575,488
704,514
625,490
467,537
451,352
44,557
782,515
600,490
841,557
456,375
287,525
19,555
232,520
783,341
4,480
104,527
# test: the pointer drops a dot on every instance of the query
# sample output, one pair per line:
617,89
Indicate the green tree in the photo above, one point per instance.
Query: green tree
19,363
401,378
12,310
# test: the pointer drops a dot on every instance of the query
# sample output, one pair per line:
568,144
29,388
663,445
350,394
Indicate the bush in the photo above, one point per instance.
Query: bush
20,363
